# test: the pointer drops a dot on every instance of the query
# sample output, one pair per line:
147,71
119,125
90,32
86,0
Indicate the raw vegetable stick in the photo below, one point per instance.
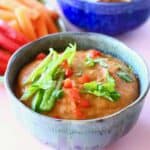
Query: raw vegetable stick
8,31
4,5
4,55
49,100
6,15
3,66
52,28
8,44
40,26
4,58
38,6
25,23
37,100
32,3
54,15
10,5
40,69
33,13
14,24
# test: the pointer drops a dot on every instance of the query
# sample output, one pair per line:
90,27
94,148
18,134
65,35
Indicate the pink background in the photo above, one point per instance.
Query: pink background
14,137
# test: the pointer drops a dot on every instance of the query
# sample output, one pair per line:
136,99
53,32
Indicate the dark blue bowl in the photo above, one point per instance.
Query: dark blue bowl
107,18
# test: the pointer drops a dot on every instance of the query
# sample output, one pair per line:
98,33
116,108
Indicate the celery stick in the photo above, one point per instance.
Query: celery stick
37,100
39,70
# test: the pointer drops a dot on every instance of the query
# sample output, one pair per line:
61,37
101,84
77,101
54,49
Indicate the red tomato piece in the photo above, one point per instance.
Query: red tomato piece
40,56
65,64
68,83
57,117
95,53
84,79
74,94
79,114
84,103
68,72
67,68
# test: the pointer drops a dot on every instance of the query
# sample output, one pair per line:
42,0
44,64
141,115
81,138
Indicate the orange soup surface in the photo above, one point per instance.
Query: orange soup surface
93,85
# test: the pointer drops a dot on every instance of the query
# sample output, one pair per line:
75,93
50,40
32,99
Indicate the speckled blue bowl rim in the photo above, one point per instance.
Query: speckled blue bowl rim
141,97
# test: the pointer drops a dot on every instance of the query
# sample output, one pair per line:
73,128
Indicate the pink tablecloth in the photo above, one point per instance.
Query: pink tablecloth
14,137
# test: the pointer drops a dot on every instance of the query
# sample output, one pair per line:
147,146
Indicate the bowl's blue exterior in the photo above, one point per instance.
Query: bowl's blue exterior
111,19
86,134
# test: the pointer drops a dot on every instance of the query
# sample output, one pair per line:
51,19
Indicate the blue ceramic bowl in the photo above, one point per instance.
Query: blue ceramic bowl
107,18
77,134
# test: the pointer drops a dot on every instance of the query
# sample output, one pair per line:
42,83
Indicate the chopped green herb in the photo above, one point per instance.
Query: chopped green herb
118,66
124,76
89,62
130,68
102,62
106,89
79,73
92,62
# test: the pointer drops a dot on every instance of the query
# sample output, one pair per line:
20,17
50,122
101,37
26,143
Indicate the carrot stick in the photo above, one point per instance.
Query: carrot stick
14,24
40,26
25,23
4,5
6,15
54,15
11,5
52,28
33,14
49,21
32,3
